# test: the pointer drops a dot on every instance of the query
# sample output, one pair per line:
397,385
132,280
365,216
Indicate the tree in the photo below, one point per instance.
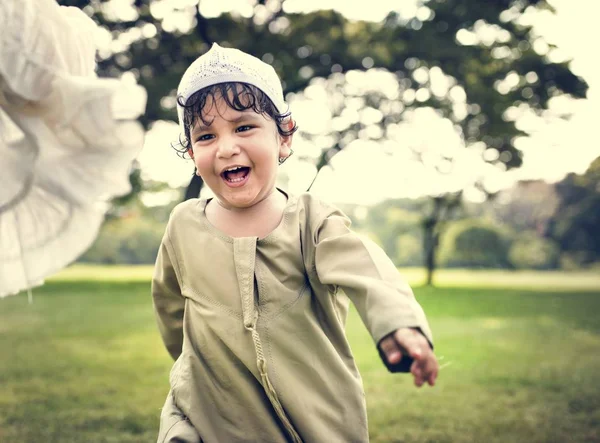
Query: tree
475,243
530,251
528,206
442,210
486,57
395,223
576,225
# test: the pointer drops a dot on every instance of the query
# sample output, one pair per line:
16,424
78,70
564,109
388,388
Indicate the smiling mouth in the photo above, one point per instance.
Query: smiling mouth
235,175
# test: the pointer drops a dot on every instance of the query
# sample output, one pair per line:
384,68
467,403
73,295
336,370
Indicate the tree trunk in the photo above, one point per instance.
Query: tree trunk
443,209
430,241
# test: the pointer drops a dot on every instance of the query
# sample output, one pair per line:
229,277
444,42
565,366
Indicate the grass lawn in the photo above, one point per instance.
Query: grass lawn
84,362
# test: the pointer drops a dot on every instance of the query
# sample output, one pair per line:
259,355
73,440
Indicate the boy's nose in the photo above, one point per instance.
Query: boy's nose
227,147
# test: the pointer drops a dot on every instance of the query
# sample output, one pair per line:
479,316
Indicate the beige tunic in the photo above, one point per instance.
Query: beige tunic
257,325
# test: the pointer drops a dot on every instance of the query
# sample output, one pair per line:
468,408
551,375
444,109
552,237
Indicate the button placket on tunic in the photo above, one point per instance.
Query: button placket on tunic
244,252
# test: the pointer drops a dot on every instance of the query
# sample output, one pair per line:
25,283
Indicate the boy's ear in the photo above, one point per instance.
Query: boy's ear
285,146
190,152
285,141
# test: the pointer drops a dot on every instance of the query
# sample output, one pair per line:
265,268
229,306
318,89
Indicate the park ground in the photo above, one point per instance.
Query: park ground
520,356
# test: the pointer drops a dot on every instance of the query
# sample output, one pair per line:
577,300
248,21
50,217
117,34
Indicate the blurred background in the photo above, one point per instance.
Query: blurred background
455,133
461,135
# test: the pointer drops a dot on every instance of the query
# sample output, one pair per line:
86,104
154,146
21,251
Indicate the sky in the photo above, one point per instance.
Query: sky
367,173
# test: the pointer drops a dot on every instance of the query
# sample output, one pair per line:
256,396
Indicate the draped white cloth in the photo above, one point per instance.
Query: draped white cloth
67,139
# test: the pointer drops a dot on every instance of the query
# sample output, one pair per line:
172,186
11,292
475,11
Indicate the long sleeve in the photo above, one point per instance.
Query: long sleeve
169,303
384,301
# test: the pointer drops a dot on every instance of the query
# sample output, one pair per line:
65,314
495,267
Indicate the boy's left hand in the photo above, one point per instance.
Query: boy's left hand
407,340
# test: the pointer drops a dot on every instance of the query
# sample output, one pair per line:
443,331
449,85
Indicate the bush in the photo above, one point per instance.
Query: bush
571,261
530,251
474,244
131,240
409,250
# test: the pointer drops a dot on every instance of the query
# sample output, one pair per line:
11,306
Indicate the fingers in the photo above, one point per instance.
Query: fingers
391,349
417,373
412,341
425,371
432,378
425,366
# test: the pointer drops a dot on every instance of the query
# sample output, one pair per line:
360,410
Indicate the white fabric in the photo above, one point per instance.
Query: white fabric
220,65
67,139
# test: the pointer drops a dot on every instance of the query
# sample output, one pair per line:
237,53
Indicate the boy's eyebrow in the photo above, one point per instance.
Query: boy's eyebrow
242,116
199,128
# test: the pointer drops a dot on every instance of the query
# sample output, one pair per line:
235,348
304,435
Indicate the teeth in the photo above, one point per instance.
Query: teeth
227,173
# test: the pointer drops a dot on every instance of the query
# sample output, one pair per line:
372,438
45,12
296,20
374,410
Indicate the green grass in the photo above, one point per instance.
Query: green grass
84,362
550,281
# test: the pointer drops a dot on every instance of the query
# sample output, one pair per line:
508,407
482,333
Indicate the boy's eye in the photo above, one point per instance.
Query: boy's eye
204,137
244,128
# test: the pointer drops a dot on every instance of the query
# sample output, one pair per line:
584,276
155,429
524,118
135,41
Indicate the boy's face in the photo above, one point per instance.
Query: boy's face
237,153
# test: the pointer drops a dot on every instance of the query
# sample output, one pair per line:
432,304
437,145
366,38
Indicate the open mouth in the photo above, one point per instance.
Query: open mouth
236,174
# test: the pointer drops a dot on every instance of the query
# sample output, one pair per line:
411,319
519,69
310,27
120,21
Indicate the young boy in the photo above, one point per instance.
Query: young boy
251,287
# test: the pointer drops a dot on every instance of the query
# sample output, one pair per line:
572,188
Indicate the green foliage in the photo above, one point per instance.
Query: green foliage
576,225
133,240
396,224
528,205
409,250
474,243
530,251
323,44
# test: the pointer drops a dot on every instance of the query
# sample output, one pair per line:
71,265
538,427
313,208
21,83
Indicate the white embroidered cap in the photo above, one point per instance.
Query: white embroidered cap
221,65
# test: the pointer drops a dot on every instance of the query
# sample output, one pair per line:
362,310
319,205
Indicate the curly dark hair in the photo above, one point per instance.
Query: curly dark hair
238,96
